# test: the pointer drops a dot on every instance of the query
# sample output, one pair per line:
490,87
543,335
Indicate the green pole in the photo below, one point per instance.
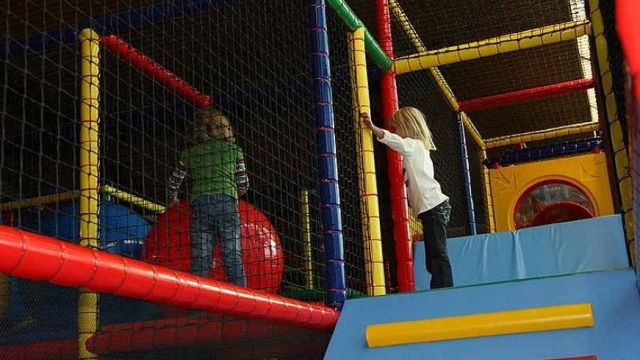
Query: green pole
373,48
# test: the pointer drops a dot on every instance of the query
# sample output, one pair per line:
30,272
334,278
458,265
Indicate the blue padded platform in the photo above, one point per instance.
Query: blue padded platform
565,248
613,295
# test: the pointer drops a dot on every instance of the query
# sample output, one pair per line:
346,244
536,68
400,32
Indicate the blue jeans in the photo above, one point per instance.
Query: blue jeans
434,226
213,215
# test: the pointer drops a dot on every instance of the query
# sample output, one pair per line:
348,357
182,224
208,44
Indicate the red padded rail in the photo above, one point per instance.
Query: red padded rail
144,63
41,258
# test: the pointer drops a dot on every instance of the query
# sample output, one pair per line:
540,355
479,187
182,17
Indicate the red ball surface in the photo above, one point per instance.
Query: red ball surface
168,245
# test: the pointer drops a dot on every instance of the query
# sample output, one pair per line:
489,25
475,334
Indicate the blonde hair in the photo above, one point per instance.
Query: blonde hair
413,123
211,124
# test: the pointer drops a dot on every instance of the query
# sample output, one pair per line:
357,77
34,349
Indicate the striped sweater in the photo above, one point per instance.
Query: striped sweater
216,167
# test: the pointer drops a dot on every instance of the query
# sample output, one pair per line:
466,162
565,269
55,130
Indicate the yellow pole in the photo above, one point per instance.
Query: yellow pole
620,155
374,263
306,238
551,133
133,199
499,45
89,177
358,143
37,201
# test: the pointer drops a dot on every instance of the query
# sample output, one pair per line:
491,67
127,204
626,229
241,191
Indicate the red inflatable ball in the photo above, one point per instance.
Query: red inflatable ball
167,245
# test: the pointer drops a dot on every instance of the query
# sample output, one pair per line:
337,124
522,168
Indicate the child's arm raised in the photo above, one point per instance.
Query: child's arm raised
394,141
366,120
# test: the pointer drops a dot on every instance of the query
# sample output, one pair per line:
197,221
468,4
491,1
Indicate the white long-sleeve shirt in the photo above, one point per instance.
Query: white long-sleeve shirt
423,191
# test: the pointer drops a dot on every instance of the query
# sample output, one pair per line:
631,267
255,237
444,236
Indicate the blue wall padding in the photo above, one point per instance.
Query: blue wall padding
566,248
614,298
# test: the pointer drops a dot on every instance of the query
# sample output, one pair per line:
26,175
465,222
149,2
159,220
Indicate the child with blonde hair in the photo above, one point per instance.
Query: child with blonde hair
217,167
413,140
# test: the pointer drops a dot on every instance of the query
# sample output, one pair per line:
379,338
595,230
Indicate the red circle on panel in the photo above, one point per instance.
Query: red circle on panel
561,212
551,201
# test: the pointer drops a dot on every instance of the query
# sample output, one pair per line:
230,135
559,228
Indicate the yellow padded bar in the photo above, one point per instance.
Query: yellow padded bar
494,46
40,200
547,134
478,325
132,199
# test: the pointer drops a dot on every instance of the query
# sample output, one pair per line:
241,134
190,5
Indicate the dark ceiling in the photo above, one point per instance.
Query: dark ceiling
437,23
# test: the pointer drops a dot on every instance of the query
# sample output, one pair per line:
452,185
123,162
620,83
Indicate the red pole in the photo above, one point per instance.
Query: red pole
397,191
541,92
165,77
41,258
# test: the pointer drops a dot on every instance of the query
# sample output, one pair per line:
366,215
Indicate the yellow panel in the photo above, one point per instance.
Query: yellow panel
478,325
586,172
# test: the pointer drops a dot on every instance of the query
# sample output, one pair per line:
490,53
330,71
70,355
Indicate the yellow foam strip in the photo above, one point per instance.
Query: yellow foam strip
478,325
494,46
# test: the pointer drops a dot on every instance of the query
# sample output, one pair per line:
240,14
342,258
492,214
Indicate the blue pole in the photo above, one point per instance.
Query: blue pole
335,279
112,24
467,177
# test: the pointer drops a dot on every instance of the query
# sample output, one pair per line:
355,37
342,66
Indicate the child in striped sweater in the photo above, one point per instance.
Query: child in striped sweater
216,165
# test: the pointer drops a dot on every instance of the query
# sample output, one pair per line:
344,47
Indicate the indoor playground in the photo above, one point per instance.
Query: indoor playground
534,106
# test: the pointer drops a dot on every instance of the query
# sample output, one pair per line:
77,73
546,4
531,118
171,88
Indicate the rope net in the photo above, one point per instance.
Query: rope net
418,90
158,68
148,82
525,82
